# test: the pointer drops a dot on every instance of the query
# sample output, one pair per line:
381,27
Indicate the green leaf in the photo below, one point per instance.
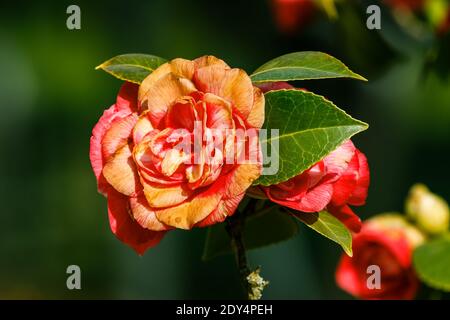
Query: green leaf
263,229
310,127
432,263
328,226
133,67
303,66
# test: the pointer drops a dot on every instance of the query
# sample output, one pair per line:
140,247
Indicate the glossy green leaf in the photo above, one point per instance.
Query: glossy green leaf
302,66
328,226
133,67
432,263
310,127
263,229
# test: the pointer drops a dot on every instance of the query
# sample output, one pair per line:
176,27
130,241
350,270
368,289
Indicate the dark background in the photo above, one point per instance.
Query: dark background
51,215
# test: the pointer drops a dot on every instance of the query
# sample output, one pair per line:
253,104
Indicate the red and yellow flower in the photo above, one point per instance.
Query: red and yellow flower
154,185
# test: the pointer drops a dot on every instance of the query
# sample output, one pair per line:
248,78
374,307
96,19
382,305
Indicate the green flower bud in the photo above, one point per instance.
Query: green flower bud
429,211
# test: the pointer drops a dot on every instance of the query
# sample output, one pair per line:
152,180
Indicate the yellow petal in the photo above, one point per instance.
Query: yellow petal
144,215
120,171
241,178
152,78
233,85
256,116
162,197
172,160
182,68
224,209
187,214
208,61
142,128
117,135
163,93
179,67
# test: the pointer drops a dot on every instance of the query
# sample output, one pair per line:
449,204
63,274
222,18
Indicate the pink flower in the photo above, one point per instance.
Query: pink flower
339,180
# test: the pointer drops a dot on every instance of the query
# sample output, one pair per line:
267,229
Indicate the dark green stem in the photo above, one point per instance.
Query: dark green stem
235,226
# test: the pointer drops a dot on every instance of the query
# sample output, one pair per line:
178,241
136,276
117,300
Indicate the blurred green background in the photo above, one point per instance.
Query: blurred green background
51,97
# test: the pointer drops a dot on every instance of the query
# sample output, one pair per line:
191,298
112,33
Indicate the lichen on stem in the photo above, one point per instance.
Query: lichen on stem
252,283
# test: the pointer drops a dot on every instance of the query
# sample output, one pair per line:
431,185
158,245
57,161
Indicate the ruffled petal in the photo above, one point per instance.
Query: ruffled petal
127,98
233,85
144,215
120,171
202,204
256,116
316,199
359,195
209,61
225,209
337,161
142,128
346,216
346,184
193,210
126,229
166,196
95,151
163,93
117,135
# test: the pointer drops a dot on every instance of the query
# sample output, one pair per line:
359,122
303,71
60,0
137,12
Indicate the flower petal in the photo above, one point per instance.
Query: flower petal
127,98
208,61
151,80
179,67
195,209
225,209
233,85
347,276
163,93
126,229
117,135
181,114
95,150
314,200
144,215
219,112
120,172
182,68
142,128
346,216
346,184
359,195
278,85
167,196
337,161
241,178
256,116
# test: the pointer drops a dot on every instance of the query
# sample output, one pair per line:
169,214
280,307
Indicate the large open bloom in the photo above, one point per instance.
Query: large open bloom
179,150
386,242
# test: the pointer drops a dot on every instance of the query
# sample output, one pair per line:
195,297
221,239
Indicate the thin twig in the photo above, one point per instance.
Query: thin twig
234,228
